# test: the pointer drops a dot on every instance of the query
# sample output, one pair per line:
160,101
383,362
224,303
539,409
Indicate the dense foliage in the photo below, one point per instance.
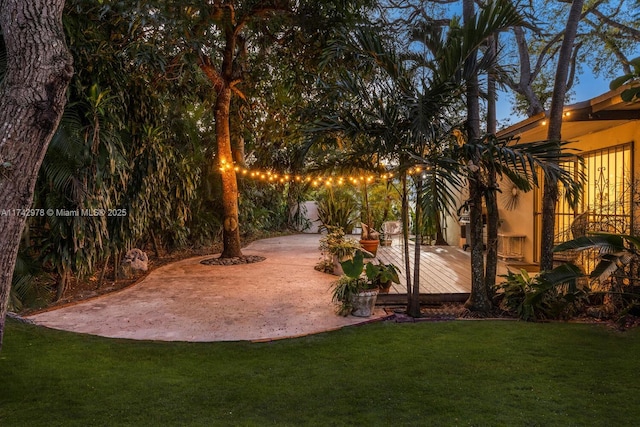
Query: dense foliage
133,163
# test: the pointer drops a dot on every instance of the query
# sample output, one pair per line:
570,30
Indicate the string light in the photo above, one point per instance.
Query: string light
316,180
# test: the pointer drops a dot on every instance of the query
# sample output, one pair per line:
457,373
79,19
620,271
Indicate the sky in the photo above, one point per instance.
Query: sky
589,87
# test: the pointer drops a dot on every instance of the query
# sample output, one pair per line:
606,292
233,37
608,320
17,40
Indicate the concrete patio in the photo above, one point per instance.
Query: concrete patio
280,297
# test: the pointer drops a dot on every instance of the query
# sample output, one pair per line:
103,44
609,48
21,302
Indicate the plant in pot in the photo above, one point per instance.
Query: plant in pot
336,248
384,204
337,209
370,238
353,292
382,275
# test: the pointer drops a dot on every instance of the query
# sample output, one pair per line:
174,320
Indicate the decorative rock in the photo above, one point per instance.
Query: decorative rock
135,261
137,258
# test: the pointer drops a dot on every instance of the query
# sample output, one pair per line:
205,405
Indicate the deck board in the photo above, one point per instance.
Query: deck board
443,269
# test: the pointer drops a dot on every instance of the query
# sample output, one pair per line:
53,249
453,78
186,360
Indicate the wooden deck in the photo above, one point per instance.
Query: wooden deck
445,272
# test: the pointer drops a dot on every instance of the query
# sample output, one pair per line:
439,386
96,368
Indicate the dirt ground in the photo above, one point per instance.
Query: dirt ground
282,296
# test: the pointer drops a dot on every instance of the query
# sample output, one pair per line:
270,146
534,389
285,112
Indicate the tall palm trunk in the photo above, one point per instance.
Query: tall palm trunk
493,216
554,133
478,298
493,220
405,237
414,300
32,100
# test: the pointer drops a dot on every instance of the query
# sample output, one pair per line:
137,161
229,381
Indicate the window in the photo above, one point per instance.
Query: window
606,203
609,191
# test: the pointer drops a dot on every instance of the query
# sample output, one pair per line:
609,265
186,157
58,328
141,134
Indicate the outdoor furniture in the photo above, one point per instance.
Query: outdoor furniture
577,229
511,246
390,229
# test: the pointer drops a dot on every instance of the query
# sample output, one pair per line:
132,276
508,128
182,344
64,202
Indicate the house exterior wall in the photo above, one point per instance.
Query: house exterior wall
521,219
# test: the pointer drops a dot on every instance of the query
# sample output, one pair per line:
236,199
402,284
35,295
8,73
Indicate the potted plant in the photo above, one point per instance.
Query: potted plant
337,248
382,275
355,293
337,209
369,238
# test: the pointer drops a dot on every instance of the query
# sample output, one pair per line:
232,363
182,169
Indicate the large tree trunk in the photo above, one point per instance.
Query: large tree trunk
554,133
478,298
32,99
223,81
231,231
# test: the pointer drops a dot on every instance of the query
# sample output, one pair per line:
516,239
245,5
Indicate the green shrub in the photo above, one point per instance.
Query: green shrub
335,243
539,298
338,209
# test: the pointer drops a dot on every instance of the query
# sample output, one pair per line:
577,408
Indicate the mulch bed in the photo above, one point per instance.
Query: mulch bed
448,311
245,259
457,311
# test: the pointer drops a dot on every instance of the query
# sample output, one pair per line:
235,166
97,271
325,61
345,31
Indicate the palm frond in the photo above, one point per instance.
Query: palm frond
606,243
565,275
606,267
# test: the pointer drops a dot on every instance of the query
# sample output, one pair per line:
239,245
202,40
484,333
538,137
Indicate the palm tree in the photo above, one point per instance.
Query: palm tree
489,159
398,112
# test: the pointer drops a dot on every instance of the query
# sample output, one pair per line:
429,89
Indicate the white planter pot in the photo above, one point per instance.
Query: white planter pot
364,302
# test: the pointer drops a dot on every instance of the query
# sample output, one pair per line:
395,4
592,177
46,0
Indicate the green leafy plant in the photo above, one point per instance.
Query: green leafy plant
31,285
615,251
632,79
351,283
337,210
514,292
549,295
381,274
616,272
335,243
343,289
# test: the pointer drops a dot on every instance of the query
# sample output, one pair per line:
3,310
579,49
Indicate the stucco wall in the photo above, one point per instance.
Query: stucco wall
521,219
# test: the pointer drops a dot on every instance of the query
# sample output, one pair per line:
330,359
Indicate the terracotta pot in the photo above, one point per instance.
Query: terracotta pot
370,245
385,287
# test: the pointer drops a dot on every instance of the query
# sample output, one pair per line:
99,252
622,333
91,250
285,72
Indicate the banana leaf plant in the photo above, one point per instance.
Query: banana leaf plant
616,251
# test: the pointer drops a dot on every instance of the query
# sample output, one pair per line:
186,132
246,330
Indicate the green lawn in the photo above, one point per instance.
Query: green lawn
481,373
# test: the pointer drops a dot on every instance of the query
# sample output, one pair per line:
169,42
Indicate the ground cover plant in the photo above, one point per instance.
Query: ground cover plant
481,373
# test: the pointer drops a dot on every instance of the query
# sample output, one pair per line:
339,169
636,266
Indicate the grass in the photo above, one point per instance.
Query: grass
466,373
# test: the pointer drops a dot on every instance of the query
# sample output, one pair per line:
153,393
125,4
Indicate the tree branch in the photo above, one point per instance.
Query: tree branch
204,62
634,33
572,70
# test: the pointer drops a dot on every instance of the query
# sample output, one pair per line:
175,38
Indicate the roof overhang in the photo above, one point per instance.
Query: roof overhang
602,112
